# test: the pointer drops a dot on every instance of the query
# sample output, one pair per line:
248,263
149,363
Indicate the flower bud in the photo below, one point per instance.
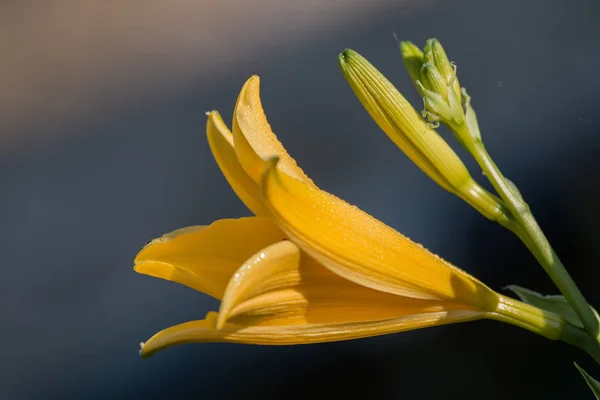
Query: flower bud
435,54
413,60
414,136
432,80
435,78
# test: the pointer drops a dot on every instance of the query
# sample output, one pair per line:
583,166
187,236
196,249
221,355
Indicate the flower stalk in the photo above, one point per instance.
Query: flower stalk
440,88
533,237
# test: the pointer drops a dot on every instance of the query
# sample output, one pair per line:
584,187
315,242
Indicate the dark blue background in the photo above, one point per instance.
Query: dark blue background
79,197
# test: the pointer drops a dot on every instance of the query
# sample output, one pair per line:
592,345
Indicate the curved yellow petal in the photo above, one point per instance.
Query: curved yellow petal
255,142
362,249
220,140
280,285
205,331
205,258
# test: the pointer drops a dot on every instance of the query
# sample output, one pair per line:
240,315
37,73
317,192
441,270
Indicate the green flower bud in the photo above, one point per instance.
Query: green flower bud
435,54
403,124
413,60
433,80
439,98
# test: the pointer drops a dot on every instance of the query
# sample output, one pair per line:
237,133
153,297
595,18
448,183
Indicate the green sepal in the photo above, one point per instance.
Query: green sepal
458,114
592,383
436,108
471,118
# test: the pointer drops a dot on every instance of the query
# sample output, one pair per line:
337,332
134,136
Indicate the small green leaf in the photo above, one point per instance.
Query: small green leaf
553,303
592,383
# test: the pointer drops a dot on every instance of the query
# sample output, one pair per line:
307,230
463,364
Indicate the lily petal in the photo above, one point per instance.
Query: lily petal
360,248
255,142
205,331
205,258
280,285
220,140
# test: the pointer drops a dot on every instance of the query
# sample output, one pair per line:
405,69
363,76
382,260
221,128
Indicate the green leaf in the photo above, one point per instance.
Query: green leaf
553,303
592,383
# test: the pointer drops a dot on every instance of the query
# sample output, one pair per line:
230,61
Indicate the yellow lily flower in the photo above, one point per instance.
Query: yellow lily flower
308,267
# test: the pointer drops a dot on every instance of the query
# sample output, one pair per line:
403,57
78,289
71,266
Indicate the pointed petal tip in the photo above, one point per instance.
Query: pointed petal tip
221,142
215,121
253,137
137,267
188,332
155,269
141,352
254,80
143,253
146,351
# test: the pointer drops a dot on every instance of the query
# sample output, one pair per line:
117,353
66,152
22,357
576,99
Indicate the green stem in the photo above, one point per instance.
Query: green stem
533,237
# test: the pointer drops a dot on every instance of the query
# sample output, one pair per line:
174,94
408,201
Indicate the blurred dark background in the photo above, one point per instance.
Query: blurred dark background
102,148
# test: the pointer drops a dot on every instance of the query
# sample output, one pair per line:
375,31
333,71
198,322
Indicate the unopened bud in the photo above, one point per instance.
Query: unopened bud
413,60
433,80
435,54
414,136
